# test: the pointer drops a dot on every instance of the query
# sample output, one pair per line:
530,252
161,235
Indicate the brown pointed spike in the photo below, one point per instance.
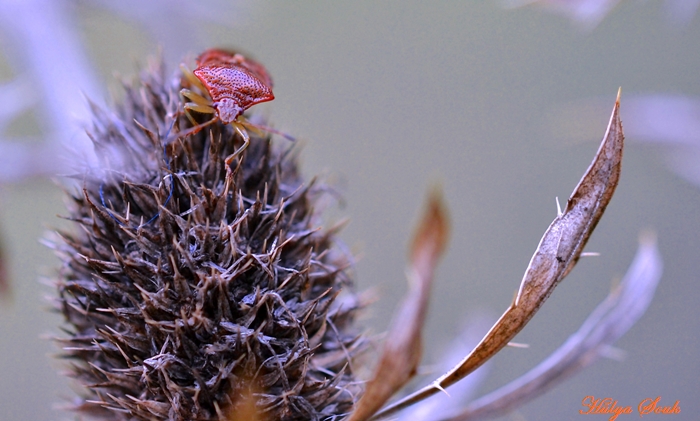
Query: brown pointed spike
402,348
431,237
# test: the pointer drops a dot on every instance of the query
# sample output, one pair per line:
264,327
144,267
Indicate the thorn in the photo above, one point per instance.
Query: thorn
442,389
619,91
590,254
518,345
559,213
218,410
516,297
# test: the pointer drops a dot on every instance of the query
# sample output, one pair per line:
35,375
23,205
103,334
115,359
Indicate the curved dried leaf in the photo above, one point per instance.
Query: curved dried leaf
620,310
402,349
557,253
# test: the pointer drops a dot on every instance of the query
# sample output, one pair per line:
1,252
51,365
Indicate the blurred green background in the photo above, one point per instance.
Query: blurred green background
391,98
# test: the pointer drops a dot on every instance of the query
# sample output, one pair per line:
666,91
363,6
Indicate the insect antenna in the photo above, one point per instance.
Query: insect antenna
267,129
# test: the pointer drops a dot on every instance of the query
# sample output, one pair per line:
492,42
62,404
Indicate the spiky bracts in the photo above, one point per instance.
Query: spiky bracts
231,291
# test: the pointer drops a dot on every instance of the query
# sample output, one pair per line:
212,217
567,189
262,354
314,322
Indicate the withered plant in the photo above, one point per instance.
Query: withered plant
194,290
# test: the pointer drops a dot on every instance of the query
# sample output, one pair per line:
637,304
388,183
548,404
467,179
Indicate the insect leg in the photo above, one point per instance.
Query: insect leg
259,129
191,78
199,104
246,141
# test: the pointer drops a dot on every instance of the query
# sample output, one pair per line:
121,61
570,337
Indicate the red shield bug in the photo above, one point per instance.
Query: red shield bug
233,83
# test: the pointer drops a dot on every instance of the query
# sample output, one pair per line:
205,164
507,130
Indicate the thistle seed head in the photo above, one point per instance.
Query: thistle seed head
188,288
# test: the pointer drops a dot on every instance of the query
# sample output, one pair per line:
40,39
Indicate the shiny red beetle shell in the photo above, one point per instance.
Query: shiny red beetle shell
235,83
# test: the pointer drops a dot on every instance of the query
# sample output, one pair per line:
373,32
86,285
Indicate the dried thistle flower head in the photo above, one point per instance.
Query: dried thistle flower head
188,289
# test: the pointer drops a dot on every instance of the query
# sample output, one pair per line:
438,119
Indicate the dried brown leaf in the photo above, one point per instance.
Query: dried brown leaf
557,253
402,349
620,310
